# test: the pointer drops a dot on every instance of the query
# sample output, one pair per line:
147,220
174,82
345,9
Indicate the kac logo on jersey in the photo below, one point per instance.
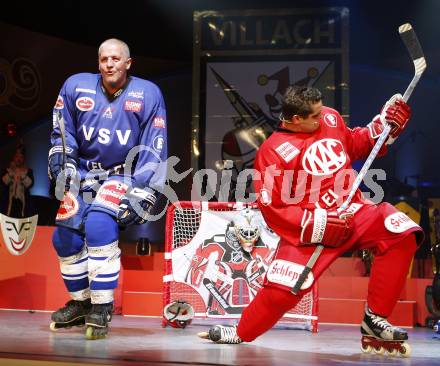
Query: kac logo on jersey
158,143
85,104
132,106
330,120
59,103
324,157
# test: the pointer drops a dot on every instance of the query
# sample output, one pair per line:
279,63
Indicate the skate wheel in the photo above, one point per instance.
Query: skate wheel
392,352
405,350
379,350
93,333
204,335
53,327
366,348
90,334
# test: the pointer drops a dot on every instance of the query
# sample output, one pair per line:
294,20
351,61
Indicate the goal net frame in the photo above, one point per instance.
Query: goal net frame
183,220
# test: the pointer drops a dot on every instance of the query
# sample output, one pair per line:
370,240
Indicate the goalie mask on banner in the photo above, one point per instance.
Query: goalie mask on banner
246,226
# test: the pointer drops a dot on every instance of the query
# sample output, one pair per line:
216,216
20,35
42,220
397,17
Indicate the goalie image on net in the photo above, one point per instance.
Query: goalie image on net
229,267
217,258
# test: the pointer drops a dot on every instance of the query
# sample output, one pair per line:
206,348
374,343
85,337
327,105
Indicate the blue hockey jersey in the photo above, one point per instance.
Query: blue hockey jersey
101,129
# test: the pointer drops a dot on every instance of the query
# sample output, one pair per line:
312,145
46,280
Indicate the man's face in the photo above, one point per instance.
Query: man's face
308,124
311,122
113,65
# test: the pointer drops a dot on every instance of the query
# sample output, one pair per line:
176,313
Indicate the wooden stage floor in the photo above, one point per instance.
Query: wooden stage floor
25,339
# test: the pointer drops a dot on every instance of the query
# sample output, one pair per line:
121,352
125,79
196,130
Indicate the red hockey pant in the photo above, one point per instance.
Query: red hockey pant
388,274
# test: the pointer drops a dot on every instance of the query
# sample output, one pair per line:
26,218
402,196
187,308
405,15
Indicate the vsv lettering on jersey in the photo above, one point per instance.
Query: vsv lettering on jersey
104,135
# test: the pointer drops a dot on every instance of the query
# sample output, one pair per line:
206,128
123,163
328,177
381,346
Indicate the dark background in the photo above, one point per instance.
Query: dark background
163,30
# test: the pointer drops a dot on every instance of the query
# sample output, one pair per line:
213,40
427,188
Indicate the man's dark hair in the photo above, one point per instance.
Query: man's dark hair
298,100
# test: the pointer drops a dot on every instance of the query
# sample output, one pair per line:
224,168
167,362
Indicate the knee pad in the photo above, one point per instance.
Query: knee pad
67,242
101,229
104,260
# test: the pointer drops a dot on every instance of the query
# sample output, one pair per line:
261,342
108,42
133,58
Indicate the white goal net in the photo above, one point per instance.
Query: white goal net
206,267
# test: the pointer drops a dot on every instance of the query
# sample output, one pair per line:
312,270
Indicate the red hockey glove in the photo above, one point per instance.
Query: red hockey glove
396,113
325,227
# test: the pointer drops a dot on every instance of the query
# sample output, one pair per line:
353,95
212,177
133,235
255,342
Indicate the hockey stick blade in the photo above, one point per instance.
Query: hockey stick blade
415,51
411,41
220,299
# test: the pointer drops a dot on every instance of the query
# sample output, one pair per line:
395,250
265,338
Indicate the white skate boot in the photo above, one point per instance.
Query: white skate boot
222,334
378,336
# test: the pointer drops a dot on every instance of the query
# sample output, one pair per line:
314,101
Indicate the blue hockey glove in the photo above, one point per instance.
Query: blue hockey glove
56,164
135,206
63,176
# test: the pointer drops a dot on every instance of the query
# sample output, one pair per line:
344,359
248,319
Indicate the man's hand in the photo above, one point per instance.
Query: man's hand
396,113
56,164
325,227
64,178
135,206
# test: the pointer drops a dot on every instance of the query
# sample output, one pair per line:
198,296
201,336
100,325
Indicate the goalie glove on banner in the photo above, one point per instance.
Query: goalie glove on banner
135,206
325,227
396,113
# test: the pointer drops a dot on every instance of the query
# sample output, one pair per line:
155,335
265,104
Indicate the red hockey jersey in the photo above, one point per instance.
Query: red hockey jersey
298,171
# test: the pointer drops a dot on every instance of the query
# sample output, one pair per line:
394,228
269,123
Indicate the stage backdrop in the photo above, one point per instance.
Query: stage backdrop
244,61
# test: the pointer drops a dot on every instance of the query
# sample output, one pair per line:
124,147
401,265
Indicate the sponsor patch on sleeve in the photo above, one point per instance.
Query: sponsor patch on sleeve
158,143
59,103
330,120
287,273
287,151
398,222
158,122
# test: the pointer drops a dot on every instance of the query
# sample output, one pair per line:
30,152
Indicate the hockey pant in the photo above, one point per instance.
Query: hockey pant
387,279
90,262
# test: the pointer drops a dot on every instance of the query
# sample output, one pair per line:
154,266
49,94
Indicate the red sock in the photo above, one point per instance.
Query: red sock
388,275
264,311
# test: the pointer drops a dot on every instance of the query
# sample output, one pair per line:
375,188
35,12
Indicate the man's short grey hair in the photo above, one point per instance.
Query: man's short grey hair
120,43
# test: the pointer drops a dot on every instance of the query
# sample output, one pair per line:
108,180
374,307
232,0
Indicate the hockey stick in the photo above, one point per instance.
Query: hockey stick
412,44
62,126
220,299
